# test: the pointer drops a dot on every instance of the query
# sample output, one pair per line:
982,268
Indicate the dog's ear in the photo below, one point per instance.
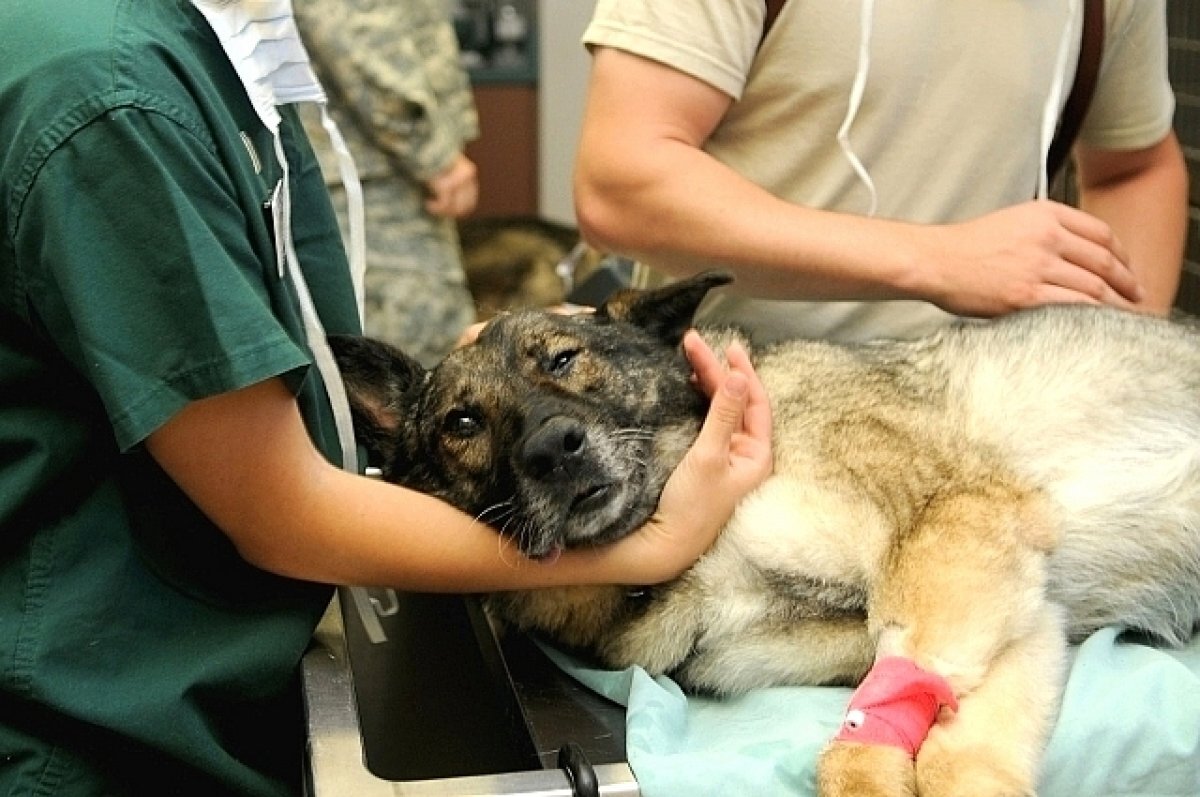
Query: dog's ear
664,312
379,380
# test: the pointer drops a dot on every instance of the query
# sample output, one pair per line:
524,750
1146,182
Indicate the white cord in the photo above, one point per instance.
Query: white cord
1053,107
856,96
355,210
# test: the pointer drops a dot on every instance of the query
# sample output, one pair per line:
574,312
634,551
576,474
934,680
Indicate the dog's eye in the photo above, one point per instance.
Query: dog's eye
462,423
560,364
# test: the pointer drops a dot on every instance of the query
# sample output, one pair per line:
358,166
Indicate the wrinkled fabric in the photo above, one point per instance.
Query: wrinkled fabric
416,290
404,104
993,64
1129,725
140,654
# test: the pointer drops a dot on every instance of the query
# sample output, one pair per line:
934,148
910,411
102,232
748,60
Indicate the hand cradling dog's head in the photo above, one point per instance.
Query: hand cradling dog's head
558,430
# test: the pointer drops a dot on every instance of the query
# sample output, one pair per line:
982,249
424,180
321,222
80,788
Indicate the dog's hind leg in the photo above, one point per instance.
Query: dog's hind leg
960,604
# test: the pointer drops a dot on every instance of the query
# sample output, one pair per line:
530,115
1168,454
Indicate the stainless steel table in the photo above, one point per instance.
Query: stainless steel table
440,704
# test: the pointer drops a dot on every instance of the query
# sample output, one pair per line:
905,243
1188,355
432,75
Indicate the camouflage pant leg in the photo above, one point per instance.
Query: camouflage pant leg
416,292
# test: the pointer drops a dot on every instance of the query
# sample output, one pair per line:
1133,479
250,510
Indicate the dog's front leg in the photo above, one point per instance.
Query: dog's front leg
993,744
849,769
970,653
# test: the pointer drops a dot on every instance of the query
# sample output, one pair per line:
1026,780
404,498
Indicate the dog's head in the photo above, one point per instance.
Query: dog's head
559,430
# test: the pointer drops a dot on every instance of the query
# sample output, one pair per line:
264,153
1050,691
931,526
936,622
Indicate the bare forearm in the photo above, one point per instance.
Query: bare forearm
678,208
291,512
245,459
645,187
354,530
1146,205
702,213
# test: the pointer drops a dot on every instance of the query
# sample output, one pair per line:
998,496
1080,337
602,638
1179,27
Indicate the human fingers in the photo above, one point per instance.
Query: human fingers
469,198
1030,254
1067,282
711,373
566,308
447,201
1092,246
726,412
730,457
757,417
455,202
707,368
470,334
439,200
454,193
458,198
1088,226
733,448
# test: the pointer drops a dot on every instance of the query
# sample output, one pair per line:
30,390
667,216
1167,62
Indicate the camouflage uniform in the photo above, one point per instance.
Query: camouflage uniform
403,102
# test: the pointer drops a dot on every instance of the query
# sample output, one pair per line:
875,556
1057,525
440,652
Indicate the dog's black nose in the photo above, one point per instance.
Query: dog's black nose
555,445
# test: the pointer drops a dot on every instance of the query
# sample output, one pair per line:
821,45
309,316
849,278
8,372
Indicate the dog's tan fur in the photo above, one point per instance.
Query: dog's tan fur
970,501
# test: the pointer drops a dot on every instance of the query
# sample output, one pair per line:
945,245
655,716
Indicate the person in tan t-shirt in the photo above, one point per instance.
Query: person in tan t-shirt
870,169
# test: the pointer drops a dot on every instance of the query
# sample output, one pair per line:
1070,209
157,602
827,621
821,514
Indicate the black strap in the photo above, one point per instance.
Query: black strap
1091,51
773,8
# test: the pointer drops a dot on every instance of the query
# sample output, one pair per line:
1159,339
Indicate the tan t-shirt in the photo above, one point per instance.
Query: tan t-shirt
949,127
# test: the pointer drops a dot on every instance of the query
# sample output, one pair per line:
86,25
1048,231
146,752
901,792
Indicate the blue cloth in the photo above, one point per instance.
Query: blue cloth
1129,726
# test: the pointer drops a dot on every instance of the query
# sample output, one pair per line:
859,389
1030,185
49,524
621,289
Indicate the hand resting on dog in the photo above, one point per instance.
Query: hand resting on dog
731,457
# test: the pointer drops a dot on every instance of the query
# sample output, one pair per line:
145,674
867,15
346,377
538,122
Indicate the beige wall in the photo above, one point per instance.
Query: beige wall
562,82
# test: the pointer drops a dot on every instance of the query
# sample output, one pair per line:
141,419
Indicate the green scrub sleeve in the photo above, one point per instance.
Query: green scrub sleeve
148,272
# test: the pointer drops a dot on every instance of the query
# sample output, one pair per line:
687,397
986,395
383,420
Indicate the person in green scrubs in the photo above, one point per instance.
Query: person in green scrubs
173,506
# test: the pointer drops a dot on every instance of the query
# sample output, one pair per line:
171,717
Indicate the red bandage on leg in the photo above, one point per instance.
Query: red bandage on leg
896,704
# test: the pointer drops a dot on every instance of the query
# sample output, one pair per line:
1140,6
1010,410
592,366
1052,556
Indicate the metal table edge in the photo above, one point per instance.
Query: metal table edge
336,762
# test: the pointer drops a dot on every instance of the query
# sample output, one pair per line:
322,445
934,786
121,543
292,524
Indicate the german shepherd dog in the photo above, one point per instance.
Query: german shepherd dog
968,502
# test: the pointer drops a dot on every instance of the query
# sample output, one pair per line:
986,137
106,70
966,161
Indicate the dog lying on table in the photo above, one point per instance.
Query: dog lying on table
944,514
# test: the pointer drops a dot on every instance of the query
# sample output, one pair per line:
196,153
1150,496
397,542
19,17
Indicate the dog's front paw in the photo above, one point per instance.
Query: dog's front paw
851,769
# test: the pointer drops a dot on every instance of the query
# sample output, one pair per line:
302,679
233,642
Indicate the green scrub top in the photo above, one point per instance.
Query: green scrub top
139,654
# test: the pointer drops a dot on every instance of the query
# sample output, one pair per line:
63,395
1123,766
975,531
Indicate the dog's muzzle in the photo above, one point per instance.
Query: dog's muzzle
570,472
557,448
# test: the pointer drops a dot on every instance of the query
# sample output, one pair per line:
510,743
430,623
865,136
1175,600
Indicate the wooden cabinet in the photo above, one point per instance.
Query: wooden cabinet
506,151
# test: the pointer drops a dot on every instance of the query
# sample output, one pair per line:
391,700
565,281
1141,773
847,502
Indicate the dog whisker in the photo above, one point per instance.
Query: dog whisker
496,512
636,460
502,548
632,434
502,513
